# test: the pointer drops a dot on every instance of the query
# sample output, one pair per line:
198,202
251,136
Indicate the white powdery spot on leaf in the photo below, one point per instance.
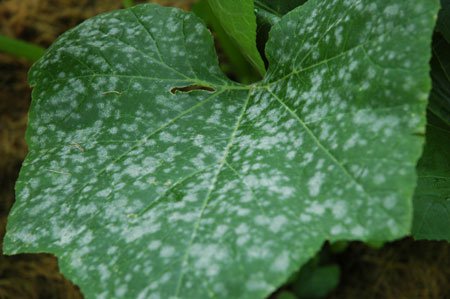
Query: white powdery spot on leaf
315,183
281,262
150,190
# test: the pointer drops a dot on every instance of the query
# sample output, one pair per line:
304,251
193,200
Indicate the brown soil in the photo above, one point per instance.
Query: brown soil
403,269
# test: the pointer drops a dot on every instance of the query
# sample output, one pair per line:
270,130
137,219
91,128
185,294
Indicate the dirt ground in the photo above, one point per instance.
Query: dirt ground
403,269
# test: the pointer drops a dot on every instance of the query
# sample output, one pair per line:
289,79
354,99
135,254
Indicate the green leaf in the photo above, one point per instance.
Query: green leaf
440,94
238,19
268,13
235,62
443,24
151,175
432,197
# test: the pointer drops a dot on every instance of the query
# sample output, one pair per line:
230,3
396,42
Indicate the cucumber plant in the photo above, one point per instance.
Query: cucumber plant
150,174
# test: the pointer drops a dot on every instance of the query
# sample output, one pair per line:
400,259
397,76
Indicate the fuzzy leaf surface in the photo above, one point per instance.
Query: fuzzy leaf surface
145,190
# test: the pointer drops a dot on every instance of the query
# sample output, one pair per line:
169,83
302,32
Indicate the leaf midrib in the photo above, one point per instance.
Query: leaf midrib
228,147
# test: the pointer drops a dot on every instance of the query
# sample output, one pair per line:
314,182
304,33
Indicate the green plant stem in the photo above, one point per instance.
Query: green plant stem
127,3
20,48
261,5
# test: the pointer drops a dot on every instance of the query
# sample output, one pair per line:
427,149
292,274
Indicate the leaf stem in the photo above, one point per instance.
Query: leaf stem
21,49
259,4
127,3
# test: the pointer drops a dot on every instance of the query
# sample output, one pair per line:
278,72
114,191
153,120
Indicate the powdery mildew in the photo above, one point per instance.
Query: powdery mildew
142,193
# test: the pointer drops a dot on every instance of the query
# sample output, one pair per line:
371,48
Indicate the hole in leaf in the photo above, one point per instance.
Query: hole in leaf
190,88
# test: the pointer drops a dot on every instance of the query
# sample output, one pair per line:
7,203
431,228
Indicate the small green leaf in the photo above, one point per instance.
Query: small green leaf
239,21
152,175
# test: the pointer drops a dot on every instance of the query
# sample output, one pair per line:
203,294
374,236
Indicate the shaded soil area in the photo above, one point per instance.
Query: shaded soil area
403,269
